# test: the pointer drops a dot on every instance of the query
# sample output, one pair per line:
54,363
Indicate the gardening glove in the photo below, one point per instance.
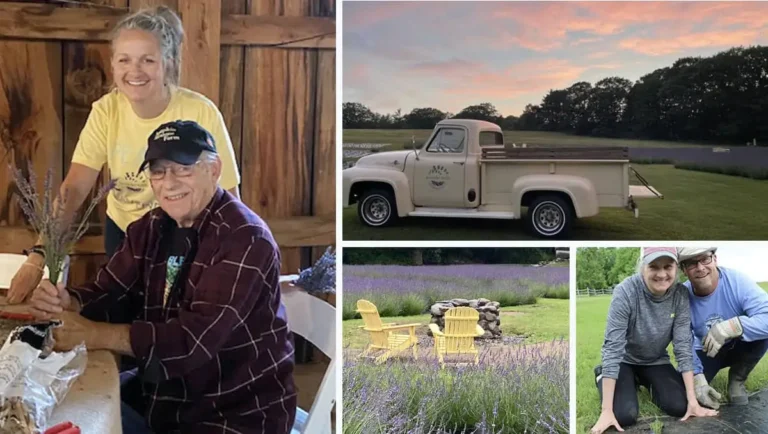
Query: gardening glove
26,278
721,332
705,394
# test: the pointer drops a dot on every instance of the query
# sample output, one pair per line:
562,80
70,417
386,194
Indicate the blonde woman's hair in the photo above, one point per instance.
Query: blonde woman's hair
165,25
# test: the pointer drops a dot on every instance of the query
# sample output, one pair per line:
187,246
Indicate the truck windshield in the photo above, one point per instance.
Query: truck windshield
491,138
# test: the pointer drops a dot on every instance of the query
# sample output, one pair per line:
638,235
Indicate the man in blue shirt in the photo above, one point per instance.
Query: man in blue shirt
729,318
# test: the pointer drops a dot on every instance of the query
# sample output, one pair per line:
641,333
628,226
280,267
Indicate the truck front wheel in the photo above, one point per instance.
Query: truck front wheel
549,216
377,208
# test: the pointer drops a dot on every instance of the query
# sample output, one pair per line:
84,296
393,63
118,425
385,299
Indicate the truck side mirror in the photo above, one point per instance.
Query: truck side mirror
413,146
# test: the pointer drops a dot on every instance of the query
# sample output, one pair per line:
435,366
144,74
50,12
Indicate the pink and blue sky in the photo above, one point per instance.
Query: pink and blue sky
449,55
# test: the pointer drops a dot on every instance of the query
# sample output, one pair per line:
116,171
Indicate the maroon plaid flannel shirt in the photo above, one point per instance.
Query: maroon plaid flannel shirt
219,357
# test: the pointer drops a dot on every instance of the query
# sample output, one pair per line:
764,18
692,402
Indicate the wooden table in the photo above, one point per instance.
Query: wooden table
93,400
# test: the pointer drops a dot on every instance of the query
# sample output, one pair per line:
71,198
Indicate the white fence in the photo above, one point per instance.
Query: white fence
593,292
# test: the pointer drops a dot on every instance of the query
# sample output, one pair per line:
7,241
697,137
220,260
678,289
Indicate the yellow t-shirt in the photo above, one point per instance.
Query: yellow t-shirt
115,135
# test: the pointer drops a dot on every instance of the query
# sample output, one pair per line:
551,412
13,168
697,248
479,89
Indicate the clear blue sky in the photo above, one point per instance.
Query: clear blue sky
449,55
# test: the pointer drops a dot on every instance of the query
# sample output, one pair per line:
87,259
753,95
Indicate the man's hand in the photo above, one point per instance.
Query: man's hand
607,419
48,300
694,409
705,394
720,333
74,330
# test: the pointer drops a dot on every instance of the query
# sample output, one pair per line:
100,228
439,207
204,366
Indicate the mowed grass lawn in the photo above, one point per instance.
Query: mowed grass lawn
544,321
591,313
696,206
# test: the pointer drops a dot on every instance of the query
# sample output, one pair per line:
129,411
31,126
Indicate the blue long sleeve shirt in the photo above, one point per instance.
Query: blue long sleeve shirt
736,295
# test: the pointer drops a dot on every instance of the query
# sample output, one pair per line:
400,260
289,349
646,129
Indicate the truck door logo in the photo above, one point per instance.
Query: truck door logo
437,177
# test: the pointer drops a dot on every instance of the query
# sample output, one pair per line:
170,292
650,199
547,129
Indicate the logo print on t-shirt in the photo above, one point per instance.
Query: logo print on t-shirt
172,271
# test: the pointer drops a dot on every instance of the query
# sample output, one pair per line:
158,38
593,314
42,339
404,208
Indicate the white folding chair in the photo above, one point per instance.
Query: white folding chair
11,262
315,320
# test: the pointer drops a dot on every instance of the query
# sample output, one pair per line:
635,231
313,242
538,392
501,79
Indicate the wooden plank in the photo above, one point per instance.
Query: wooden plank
51,22
324,162
278,117
87,77
140,4
231,72
14,239
48,21
200,50
30,118
289,232
289,32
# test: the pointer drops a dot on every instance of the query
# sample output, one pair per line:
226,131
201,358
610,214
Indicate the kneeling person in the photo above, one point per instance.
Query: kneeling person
192,293
729,316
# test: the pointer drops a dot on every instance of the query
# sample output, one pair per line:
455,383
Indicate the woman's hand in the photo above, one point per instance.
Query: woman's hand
694,409
607,420
26,278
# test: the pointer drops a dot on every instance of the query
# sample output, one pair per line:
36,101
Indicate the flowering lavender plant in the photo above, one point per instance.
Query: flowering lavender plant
321,277
57,236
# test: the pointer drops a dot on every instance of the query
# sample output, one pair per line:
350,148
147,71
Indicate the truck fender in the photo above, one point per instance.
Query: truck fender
580,190
396,180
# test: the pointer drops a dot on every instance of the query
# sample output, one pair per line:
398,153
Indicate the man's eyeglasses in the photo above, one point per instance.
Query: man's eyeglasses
157,172
693,263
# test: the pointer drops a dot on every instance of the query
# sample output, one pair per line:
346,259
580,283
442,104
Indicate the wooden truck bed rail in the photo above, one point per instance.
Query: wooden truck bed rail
558,153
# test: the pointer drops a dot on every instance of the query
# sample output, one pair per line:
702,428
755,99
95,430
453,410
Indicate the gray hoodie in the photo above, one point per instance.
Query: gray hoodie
641,326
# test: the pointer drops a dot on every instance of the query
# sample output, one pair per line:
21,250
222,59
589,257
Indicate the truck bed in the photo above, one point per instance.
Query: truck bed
558,153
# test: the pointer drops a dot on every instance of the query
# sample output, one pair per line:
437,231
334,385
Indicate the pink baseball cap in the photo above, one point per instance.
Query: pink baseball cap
651,254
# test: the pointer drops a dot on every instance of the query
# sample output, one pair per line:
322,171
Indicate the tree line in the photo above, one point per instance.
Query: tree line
721,98
446,256
358,116
603,267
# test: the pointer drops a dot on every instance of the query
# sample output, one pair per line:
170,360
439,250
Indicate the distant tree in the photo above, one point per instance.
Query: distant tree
484,112
579,109
509,123
356,115
608,101
423,118
604,268
555,111
531,119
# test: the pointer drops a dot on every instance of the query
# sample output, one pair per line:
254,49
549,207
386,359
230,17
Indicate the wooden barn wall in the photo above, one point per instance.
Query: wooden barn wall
278,104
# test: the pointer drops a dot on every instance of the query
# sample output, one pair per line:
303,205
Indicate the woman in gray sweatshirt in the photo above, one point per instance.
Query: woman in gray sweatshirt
648,311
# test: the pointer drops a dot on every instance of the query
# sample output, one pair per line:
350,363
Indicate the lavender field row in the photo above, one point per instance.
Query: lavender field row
745,157
409,290
521,391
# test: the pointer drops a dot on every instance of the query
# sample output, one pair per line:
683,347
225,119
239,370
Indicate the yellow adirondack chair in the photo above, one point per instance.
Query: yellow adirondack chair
383,336
461,329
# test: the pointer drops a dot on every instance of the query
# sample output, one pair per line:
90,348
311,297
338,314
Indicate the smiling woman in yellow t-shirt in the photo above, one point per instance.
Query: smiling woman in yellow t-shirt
145,66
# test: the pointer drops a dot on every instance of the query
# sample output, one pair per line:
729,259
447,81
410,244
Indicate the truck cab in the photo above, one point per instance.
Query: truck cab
464,169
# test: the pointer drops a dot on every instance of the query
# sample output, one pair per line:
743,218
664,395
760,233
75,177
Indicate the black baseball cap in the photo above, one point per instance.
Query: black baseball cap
178,141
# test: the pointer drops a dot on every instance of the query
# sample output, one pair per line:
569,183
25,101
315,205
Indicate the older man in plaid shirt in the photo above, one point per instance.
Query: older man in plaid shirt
192,293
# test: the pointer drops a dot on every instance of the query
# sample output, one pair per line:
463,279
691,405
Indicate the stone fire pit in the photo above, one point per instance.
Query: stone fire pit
489,315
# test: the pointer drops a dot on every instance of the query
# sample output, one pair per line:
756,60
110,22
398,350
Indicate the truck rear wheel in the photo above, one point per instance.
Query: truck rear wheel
377,208
549,216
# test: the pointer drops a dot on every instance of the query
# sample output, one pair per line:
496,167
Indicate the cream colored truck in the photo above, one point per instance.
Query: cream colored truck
464,170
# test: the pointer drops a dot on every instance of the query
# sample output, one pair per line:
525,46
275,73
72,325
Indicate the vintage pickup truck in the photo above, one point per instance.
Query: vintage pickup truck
465,170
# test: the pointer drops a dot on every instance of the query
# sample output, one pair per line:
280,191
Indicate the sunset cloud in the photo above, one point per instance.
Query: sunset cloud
449,55
663,46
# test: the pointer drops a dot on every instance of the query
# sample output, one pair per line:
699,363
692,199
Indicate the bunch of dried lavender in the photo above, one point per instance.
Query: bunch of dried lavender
57,236
321,277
